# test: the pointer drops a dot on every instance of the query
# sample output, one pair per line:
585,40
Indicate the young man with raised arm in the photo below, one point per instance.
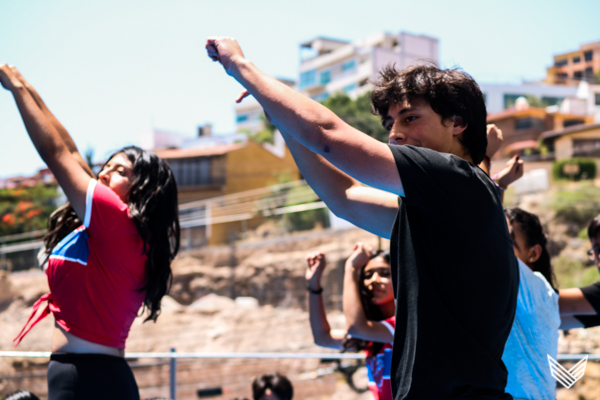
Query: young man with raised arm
454,271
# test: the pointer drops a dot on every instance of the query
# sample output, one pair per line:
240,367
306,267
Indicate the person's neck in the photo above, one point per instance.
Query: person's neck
459,151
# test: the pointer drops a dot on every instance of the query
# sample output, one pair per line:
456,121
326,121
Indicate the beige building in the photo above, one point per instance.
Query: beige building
215,170
575,141
575,66
523,126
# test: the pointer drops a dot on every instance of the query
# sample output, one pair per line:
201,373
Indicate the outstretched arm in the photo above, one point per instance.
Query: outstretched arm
322,333
368,208
70,175
64,134
310,123
573,302
356,321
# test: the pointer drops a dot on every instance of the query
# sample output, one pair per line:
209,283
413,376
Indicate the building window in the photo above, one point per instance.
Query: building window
578,75
576,60
571,122
561,63
597,99
325,77
194,172
586,147
241,118
551,101
529,123
350,88
308,78
562,75
510,99
321,97
348,65
587,56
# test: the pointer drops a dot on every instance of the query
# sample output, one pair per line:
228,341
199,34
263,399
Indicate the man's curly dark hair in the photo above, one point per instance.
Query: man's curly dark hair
449,92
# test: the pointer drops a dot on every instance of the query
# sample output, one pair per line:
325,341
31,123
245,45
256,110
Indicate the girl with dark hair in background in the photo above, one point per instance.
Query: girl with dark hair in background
272,387
369,309
534,334
108,252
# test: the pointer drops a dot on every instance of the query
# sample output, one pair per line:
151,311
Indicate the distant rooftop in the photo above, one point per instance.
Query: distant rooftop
324,45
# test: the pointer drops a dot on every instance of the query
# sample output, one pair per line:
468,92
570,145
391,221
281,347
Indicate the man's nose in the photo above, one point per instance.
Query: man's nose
396,137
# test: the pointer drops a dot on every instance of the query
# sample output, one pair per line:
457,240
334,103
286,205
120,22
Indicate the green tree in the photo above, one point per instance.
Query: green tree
357,113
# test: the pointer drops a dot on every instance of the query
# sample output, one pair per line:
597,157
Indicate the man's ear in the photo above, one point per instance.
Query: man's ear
458,125
534,253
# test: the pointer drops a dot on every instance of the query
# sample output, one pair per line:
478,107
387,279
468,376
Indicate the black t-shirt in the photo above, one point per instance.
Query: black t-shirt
592,294
455,279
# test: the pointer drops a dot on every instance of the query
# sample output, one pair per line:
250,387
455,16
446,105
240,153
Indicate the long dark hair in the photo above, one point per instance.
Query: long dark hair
153,208
372,311
534,234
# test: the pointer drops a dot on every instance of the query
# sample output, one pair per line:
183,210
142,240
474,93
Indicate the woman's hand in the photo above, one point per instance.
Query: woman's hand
358,259
316,264
510,173
8,79
494,139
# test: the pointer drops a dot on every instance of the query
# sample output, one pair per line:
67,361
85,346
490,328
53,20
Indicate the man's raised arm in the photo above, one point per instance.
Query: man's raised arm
368,208
310,123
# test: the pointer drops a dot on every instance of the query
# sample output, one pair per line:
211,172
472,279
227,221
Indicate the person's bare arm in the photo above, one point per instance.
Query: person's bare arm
573,302
70,175
310,123
323,335
356,321
368,208
64,134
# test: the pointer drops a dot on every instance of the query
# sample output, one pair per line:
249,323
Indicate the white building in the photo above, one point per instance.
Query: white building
341,66
499,97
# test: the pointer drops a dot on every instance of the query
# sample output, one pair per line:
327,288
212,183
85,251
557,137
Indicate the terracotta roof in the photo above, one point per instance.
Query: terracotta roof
199,151
571,129
513,112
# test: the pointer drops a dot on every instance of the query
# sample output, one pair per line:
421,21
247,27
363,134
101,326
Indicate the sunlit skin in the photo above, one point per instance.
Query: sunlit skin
415,123
377,279
117,174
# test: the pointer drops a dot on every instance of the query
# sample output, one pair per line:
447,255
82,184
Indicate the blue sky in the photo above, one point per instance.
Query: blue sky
110,70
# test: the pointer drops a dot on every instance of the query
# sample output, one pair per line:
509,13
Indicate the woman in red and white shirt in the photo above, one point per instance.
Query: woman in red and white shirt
108,253
369,309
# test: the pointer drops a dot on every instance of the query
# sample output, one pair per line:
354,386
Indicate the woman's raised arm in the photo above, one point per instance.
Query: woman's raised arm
70,174
322,333
64,134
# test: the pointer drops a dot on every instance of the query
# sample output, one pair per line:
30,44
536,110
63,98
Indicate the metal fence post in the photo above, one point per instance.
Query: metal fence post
173,376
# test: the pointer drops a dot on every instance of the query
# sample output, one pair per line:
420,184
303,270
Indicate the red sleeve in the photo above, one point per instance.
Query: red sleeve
106,216
391,321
